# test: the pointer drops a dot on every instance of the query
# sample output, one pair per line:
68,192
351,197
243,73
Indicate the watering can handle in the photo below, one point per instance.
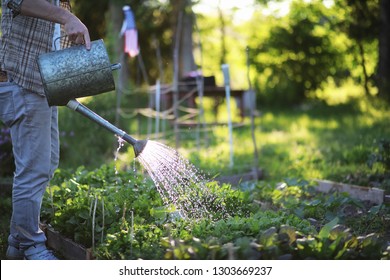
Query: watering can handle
55,41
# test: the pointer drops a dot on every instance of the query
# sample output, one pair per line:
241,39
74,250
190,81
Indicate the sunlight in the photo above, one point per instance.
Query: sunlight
282,8
333,94
241,11
278,9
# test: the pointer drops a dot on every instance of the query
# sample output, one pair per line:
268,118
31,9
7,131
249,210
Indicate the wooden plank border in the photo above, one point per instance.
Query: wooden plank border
69,249
234,180
374,195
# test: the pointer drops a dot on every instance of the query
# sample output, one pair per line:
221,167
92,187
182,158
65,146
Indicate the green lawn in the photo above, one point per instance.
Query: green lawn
309,142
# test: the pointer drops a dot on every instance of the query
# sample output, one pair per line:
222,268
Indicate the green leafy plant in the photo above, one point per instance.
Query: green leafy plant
121,216
381,156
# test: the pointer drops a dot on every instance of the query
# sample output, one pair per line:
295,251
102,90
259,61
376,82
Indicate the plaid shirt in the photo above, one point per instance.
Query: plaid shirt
23,39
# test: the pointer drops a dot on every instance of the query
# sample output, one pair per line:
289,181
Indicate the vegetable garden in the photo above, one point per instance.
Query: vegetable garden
322,115
116,210
122,217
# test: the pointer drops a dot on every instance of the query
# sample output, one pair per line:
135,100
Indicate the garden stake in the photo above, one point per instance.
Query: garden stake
252,113
226,75
138,145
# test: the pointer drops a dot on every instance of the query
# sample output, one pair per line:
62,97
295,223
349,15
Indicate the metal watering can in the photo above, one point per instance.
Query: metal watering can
76,72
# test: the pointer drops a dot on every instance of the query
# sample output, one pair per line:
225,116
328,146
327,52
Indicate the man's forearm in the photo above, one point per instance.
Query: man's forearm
44,10
74,28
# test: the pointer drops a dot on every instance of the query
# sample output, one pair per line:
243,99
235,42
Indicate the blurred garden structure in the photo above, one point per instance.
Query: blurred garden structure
189,93
180,104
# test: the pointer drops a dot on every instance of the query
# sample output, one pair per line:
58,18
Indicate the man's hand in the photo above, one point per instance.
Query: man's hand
77,31
74,28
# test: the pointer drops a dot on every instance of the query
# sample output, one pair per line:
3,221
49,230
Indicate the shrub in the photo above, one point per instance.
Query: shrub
7,165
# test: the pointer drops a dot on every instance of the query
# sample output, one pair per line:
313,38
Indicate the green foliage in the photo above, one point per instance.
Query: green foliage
95,196
6,157
311,47
360,20
300,198
95,21
382,156
336,242
124,216
298,55
5,206
379,162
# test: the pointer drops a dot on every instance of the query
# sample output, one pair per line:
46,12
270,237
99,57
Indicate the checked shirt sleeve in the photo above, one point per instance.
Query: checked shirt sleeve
15,6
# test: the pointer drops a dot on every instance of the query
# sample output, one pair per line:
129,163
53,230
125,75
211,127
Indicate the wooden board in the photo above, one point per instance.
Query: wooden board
234,180
373,195
69,249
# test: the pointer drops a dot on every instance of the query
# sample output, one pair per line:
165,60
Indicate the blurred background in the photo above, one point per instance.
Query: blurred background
309,82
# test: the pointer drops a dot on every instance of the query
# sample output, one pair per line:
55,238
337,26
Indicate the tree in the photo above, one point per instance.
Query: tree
298,55
182,22
361,24
93,14
367,24
384,51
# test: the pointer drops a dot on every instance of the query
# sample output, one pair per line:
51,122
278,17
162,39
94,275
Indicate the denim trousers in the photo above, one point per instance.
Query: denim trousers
35,143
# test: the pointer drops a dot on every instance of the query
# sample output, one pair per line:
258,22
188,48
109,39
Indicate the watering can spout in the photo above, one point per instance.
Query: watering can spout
138,145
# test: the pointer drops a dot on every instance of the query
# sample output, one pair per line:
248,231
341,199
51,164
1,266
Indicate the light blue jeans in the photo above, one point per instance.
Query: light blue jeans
34,132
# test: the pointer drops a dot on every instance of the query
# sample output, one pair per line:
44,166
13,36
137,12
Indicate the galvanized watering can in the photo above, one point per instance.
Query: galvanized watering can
76,72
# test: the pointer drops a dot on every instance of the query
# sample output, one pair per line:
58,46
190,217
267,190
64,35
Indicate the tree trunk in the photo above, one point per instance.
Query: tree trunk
223,36
183,58
384,51
363,63
183,33
116,20
187,62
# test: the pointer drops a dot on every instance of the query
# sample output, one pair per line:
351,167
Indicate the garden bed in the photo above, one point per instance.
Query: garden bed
129,221
73,251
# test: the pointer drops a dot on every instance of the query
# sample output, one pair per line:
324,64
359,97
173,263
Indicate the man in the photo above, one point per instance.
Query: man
28,29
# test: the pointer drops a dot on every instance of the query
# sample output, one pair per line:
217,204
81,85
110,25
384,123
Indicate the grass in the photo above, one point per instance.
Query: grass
307,142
